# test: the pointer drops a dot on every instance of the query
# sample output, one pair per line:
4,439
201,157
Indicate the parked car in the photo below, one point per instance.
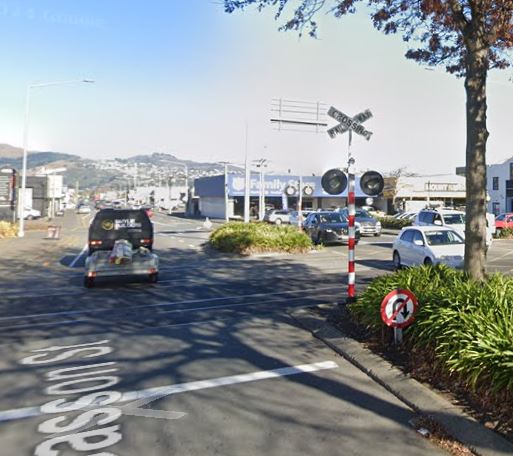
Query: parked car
368,224
328,227
452,219
83,209
428,245
30,214
504,221
294,217
277,216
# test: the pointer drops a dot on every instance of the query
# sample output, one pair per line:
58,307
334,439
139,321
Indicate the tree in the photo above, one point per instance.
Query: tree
468,37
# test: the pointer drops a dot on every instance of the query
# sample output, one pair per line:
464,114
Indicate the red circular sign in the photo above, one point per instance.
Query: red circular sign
398,308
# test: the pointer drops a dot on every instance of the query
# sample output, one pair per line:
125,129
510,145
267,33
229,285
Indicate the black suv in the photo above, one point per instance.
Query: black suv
110,225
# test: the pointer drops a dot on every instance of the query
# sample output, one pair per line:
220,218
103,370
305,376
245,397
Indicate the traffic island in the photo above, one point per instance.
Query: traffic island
420,398
256,238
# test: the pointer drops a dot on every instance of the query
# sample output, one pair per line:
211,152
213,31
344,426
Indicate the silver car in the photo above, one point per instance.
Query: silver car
277,216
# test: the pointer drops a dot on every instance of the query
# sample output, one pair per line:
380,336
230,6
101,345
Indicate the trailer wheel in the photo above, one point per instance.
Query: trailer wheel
88,282
154,278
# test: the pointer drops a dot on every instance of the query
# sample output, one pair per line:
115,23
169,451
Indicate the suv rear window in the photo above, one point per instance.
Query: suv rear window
110,225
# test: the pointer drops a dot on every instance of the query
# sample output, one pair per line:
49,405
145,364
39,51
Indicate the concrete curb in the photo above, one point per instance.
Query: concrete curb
418,397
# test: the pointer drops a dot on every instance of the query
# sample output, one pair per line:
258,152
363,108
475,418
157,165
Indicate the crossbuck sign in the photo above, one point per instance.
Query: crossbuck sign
349,123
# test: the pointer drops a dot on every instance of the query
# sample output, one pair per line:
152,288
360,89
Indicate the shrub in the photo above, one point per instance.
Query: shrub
468,324
393,223
247,238
7,230
505,233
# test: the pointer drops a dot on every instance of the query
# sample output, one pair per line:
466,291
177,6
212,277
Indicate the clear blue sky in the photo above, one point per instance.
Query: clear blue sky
183,77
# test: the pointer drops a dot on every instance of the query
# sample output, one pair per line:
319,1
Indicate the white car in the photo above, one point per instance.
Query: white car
83,210
416,245
30,214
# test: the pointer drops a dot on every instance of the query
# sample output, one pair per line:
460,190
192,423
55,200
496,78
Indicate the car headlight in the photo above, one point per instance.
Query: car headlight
378,224
328,230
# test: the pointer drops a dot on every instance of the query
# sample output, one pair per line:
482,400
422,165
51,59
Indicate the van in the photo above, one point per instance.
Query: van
110,225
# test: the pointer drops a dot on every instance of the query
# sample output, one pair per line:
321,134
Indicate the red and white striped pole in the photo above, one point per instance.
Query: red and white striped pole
351,275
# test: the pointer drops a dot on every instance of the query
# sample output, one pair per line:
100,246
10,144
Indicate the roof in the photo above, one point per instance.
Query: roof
424,228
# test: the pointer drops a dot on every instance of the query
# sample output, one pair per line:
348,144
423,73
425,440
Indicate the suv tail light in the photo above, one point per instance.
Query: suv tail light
95,243
145,241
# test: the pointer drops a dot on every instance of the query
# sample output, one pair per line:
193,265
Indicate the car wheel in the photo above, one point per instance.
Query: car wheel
154,278
30,217
278,221
397,260
88,282
377,234
428,262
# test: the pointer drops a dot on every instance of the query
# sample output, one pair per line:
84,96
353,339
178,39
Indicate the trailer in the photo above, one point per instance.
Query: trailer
142,263
120,245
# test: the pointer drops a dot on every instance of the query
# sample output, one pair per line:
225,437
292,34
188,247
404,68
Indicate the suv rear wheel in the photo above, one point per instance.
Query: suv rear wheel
428,261
278,221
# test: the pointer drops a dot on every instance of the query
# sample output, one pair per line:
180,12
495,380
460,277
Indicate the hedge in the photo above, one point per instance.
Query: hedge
393,223
247,238
467,324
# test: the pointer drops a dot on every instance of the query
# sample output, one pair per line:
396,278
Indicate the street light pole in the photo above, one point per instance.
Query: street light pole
21,206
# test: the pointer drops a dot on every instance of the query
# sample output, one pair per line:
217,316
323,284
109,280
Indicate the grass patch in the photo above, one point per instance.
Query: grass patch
8,230
468,325
248,238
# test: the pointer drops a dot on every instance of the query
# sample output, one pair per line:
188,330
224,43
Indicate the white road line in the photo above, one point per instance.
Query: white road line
72,264
162,391
167,304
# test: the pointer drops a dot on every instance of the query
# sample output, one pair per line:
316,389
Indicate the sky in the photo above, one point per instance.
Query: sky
184,77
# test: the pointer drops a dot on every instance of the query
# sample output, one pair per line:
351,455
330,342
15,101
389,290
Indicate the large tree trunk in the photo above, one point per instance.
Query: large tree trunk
477,134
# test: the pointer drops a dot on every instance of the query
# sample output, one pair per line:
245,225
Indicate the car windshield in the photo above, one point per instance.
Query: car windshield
362,213
443,237
501,217
332,218
454,219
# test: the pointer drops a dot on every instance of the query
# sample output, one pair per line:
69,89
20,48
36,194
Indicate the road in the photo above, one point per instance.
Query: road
206,362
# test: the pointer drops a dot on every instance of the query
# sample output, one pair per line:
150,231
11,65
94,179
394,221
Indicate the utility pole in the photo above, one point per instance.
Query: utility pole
247,181
261,163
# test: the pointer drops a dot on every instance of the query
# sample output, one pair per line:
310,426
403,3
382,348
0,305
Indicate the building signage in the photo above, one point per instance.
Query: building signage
6,186
275,185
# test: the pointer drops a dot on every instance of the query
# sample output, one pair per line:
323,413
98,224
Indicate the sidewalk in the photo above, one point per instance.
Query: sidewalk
415,395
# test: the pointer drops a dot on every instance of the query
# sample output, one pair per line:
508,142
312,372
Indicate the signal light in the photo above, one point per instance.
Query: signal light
334,182
372,183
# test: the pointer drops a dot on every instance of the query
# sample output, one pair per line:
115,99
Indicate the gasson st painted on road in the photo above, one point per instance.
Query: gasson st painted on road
93,382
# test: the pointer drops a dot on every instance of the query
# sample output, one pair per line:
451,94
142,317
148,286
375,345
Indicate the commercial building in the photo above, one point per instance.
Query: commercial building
417,192
499,184
214,196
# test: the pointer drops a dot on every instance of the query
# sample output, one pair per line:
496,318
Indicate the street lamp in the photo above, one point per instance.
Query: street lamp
21,231
261,163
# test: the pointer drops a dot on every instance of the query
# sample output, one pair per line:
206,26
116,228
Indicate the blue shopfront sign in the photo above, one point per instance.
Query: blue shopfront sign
275,185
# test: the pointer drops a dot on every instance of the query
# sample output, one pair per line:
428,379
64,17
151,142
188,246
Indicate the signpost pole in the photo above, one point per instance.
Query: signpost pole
351,275
300,203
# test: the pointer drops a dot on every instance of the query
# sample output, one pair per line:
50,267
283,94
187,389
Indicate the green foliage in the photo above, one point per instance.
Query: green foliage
468,324
393,223
505,233
247,238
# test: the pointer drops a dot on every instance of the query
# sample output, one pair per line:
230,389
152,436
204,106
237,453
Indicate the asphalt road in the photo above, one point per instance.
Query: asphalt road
205,362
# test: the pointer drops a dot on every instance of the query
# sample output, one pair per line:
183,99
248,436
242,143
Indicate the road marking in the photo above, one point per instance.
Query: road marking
173,303
162,391
72,264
